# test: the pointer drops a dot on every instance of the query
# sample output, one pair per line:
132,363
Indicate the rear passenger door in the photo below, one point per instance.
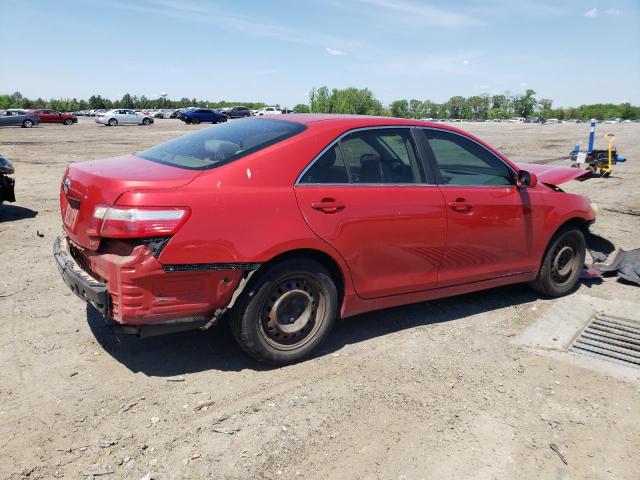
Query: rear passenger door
491,222
367,195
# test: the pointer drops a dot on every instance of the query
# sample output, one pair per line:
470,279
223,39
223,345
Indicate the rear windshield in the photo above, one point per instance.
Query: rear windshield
221,144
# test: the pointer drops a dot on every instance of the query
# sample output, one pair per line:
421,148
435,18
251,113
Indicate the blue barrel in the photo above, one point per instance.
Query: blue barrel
592,135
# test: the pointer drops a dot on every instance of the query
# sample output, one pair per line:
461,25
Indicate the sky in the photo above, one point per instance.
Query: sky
573,51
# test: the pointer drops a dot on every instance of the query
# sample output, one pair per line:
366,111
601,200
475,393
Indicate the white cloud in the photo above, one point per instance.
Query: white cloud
614,12
334,51
465,62
524,84
424,13
593,13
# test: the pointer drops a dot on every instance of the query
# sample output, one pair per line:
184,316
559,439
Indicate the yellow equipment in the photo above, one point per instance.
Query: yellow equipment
606,171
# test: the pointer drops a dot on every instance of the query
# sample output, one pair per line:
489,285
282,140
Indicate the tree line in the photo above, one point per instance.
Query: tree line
477,107
362,101
17,100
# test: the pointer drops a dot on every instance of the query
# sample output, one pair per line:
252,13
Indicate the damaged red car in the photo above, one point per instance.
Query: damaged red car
283,225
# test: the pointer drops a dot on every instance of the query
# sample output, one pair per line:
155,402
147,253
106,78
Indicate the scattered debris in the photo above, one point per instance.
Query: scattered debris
220,419
176,379
97,473
73,374
555,448
41,235
155,420
128,406
204,405
226,430
625,264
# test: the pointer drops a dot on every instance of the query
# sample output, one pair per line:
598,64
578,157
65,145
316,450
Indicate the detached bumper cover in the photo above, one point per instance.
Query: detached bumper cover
82,284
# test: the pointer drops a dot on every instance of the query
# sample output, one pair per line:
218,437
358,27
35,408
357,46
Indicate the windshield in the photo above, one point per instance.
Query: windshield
221,144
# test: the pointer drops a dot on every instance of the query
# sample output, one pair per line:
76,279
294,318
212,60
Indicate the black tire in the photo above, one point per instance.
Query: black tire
67,121
146,121
27,123
300,289
112,122
195,121
562,263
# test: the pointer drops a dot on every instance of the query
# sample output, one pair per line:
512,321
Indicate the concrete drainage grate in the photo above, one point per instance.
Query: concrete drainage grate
612,338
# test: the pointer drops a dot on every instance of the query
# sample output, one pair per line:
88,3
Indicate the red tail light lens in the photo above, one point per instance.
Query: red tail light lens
135,222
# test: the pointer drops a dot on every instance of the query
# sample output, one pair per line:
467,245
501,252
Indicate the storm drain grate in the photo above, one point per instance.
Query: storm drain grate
611,338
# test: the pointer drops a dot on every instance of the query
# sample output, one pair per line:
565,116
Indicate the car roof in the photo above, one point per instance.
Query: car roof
323,120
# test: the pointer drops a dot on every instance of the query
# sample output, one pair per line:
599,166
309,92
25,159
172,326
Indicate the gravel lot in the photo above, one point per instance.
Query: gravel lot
432,390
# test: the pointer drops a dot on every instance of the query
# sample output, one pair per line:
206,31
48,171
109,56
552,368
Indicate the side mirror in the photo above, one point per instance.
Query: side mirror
526,179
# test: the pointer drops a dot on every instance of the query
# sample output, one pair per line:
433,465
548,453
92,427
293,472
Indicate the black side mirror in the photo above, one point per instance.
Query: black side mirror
526,179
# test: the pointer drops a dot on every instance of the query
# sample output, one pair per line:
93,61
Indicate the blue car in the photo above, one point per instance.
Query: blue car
200,115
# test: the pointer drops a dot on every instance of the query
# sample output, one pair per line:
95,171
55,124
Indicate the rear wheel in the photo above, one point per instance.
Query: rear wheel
285,312
27,123
562,263
195,121
67,121
112,122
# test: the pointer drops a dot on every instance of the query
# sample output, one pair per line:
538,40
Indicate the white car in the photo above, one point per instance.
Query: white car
123,117
269,111
552,121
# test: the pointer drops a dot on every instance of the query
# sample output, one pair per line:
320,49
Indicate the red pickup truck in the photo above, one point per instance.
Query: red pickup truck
51,116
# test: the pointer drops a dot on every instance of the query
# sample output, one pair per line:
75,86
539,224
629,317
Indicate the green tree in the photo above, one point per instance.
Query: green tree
399,108
302,108
525,105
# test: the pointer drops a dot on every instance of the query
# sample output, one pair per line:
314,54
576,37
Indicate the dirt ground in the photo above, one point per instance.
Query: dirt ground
435,390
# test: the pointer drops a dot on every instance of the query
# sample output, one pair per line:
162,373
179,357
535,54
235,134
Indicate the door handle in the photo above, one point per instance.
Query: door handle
460,205
328,205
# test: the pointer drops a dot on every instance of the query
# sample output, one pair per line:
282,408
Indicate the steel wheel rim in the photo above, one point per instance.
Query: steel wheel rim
27,123
292,313
564,263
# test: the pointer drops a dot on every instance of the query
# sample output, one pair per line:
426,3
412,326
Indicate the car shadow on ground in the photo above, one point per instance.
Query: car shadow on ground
13,213
215,349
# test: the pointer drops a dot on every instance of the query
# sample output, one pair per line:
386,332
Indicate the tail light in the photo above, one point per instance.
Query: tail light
136,222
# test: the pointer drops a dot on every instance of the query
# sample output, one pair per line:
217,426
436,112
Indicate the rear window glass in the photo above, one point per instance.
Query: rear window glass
221,144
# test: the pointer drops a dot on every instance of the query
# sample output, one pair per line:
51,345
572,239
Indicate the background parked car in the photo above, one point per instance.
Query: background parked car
122,117
16,116
269,111
46,115
238,112
202,115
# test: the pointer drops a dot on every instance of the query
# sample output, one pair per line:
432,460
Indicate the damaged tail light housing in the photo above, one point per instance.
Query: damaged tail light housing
136,222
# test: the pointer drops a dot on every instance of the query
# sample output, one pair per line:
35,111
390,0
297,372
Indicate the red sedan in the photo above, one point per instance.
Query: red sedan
51,116
286,224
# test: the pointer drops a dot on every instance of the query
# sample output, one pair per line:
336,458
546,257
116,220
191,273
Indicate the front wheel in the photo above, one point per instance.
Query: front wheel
285,312
67,121
562,264
27,123
195,121
146,121
112,122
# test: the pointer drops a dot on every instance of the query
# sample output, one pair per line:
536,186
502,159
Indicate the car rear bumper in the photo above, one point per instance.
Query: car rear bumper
135,289
83,285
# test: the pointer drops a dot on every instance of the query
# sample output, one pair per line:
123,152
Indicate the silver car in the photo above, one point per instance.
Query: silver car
16,116
123,117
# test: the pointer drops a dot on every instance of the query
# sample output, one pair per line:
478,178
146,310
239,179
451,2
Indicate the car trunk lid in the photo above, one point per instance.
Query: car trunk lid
101,182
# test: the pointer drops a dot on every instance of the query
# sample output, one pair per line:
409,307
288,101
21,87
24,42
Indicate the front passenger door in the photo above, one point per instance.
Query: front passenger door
490,221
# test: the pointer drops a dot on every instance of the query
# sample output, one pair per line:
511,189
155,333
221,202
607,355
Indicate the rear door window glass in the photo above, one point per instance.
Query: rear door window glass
381,156
329,168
